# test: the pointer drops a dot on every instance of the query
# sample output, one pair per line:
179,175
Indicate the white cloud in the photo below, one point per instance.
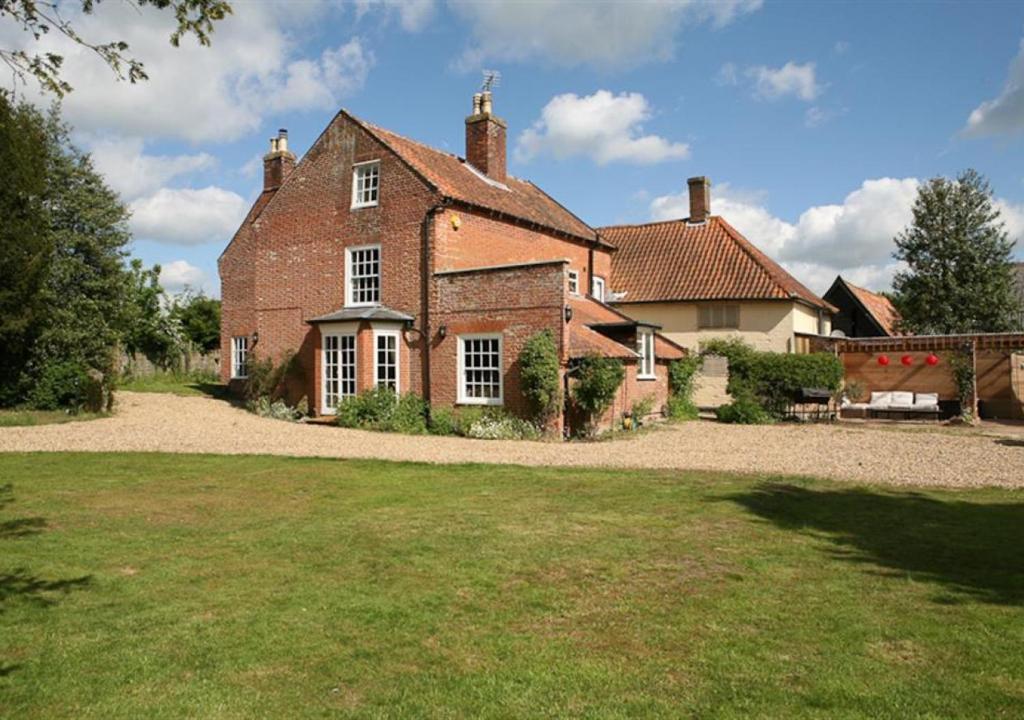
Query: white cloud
413,15
791,79
174,276
604,127
132,173
1013,217
187,216
609,35
255,65
854,238
1005,114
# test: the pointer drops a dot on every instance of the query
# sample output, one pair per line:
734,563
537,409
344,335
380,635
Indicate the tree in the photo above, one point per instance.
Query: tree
147,326
540,376
199,317
25,247
958,277
40,17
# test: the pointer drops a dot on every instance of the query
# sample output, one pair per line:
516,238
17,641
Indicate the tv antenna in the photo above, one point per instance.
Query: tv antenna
492,79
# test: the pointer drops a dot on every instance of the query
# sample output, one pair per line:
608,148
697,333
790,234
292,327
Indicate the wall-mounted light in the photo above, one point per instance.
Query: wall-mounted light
442,332
568,313
456,222
255,337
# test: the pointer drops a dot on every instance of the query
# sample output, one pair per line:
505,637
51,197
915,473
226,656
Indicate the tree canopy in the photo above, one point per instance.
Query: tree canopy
958,277
38,18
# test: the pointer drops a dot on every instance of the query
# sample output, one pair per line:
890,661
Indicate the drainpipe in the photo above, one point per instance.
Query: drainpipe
426,268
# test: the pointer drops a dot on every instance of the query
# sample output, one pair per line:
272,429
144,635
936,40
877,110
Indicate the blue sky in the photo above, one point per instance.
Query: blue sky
815,121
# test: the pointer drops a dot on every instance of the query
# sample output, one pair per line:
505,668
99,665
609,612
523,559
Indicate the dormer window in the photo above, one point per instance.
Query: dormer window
365,184
362,275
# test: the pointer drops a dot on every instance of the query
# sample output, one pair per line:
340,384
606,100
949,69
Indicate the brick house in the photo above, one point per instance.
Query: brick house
381,261
699,278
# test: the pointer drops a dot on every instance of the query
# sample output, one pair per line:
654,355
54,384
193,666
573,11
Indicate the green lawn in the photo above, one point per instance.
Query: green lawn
15,418
163,586
175,384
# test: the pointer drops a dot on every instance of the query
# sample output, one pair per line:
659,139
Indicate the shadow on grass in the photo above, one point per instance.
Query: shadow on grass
1010,442
19,585
971,549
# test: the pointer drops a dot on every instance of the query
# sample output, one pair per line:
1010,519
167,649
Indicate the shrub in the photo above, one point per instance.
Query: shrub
539,380
682,376
773,379
265,378
744,410
962,367
61,385
680,408
642,408
443,421
273,409
499,425
410,415
465,418
597,380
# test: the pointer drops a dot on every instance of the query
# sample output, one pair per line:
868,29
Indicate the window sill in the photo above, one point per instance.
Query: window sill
475,402
362,305
363,207
647,378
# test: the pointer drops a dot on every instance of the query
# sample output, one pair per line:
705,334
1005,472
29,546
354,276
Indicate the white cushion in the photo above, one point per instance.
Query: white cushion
902,398
926,399
881,399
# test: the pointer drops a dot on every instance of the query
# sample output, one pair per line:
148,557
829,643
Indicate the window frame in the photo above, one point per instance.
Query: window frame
397,335
594,282
326,409
239,369
646,370
574,282
724,308
357,168
349,287
461,397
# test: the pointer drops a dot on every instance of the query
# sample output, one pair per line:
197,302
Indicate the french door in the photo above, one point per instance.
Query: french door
339,374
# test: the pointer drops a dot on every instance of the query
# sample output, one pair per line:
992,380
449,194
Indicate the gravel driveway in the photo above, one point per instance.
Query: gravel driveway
919,455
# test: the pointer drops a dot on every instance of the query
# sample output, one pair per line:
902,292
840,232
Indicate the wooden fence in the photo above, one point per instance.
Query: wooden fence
192,361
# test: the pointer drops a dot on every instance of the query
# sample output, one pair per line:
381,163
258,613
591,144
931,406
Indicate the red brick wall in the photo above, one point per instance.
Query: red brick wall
480,241
289,266
517,303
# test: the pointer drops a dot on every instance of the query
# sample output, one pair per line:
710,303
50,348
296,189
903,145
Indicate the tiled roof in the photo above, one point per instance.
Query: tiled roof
588,313
376,312
674,260
878,306
455,178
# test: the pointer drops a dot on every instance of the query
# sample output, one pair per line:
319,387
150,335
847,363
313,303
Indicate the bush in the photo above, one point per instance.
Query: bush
273,409
642,408
597,380
499,425
539,379
774,379
63,385
410,415
681,408
465,418
265,378
443,422
744,410
380,409
682,376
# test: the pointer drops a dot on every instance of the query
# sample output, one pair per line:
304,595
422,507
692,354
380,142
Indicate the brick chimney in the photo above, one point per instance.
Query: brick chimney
278,163
485,139
700,199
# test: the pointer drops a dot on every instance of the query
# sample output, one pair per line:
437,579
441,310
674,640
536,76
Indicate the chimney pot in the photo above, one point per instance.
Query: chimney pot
700,199
476,103
485,103
278,163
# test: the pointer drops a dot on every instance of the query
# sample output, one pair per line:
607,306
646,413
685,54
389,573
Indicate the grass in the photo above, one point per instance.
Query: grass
166,586
186,384
15,418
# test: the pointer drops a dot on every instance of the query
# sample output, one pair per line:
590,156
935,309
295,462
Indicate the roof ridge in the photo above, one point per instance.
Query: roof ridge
684,220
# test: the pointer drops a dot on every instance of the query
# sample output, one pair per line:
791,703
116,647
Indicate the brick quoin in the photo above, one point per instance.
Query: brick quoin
286,266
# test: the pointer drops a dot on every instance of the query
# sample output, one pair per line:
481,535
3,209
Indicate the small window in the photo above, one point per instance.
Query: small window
365,184
362,268
385,359
645,346
480,380
574,282
239,356
597,288
718,317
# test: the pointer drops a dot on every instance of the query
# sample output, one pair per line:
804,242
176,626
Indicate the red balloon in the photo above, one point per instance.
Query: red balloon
907,360
883,360
932,359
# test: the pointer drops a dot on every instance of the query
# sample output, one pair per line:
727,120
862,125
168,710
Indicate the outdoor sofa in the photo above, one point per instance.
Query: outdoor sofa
895,404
